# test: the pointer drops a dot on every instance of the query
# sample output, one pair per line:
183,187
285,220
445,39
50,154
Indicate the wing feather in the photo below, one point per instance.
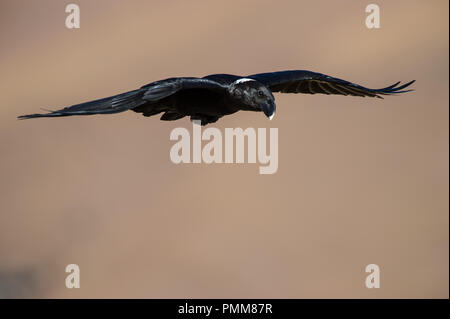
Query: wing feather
300,81
110,105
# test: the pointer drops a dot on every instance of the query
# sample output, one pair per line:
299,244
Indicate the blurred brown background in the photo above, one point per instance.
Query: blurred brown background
360,181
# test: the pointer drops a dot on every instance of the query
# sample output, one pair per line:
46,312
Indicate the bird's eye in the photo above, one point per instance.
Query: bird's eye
260,93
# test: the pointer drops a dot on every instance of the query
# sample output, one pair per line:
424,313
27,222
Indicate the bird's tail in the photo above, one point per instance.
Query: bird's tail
113,104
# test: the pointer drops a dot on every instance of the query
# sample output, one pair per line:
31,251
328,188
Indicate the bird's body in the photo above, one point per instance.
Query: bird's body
209,98
197,103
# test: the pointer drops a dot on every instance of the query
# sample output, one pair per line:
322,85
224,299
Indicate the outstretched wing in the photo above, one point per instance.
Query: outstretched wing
149,95
113,104
300,81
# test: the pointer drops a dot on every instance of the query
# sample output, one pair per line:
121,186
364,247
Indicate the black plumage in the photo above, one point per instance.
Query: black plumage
214,96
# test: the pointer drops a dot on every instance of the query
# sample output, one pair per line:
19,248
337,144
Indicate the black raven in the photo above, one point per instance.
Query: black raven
209,98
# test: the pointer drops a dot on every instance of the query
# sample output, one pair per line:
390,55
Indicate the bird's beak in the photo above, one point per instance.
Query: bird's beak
268,108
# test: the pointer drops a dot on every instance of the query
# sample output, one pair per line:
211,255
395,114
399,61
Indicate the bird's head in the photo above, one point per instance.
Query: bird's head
254,94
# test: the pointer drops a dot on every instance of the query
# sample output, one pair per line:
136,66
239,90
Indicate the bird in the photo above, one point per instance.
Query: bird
214,96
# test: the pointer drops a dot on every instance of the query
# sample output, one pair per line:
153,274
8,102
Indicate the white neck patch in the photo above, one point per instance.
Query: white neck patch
243,80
